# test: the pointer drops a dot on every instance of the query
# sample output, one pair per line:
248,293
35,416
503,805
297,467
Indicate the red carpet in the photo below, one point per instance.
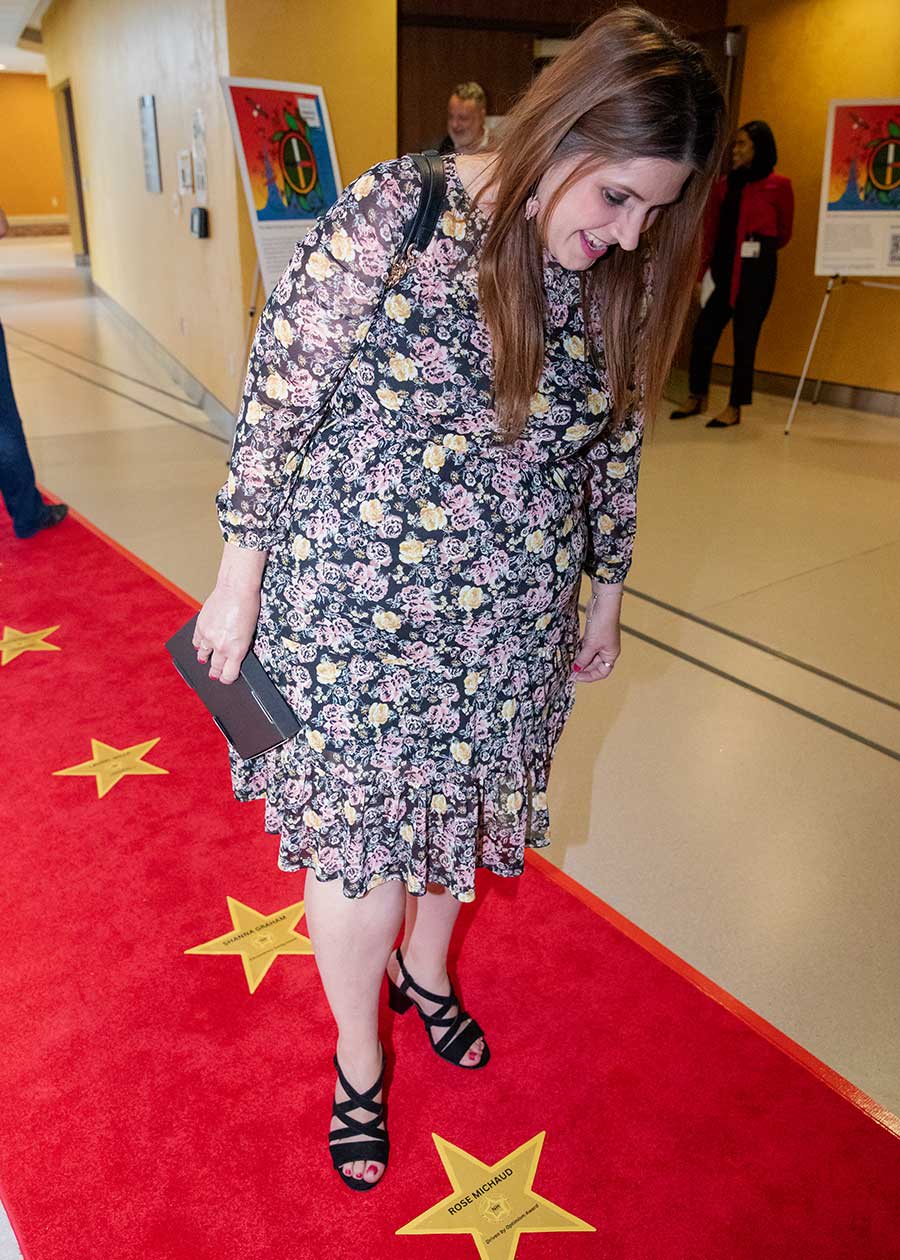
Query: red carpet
150,1106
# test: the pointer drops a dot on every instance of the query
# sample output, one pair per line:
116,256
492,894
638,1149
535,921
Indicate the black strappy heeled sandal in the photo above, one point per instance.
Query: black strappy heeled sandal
372,1141
455,1040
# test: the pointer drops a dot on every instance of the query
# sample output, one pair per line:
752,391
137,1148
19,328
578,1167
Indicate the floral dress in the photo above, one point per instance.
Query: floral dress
420,600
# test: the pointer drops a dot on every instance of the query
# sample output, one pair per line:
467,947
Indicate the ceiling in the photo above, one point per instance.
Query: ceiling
15,15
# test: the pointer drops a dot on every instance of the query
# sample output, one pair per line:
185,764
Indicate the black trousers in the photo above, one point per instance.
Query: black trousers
753,301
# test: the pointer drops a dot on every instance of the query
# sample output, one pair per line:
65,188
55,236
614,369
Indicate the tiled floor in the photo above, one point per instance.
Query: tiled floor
9,1248
739,806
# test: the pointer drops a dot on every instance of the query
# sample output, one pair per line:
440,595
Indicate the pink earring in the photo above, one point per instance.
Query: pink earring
532,206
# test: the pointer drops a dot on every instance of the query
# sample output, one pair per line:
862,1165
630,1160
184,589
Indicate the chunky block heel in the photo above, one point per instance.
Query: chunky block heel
397,1000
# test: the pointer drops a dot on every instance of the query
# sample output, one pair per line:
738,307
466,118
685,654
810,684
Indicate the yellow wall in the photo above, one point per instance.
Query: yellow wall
188,294
30,162
349,47
800,55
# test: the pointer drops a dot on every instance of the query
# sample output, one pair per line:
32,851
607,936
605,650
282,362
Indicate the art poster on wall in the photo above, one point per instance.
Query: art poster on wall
285,149
859,209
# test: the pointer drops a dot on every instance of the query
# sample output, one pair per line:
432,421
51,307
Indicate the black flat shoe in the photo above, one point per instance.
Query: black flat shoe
455,1039
55,513
372,1141
716,423
687,413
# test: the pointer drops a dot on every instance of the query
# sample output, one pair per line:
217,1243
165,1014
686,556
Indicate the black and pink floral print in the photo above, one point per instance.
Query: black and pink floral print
419,604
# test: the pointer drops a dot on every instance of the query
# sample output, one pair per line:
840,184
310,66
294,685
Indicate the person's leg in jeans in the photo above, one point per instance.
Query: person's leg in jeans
28,510
708,329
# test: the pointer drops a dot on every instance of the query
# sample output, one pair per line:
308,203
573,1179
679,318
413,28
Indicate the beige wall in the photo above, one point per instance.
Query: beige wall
801,54
188,294
185,292
30,161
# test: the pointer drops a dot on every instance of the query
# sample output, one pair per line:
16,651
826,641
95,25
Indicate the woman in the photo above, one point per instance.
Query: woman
748,219
420,559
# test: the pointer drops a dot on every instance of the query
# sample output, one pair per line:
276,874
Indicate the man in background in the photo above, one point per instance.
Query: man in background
28,510
466,111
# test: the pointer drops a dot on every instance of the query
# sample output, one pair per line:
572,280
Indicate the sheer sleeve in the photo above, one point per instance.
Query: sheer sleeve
612,501
308,332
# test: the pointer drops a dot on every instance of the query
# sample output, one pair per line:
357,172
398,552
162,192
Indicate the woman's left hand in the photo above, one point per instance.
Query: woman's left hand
601,642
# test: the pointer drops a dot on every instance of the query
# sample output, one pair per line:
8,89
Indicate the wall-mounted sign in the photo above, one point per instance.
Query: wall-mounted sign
185,173
285,150
859,208
198,150
150,142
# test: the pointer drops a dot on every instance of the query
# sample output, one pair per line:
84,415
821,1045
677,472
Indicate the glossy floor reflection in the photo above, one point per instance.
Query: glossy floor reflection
737,805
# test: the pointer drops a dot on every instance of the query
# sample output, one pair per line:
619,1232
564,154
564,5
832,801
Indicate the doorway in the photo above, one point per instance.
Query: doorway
72,165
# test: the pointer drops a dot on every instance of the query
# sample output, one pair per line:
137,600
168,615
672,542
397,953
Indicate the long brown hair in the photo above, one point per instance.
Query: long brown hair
627,88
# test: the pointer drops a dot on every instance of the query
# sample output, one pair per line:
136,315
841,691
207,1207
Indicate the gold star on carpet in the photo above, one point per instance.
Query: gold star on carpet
15,642
112,764
258,938
494,1202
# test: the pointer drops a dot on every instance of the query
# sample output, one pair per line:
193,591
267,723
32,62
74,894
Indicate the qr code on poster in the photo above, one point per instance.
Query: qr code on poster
894,248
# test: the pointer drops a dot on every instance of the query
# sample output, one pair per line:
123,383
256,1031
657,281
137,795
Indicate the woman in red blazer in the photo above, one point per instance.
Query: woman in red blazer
749,217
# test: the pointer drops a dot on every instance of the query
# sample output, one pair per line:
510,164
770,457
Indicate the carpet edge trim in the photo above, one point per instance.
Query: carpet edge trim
124,551
758,1023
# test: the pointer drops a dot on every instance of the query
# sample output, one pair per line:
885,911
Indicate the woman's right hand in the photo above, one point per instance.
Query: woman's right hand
225,628
227,621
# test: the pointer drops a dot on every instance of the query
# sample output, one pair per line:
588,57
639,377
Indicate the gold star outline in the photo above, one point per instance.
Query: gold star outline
494,1202
258,938
110,764
15,642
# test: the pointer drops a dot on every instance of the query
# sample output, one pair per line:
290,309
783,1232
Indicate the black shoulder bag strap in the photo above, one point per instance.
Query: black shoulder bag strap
420,231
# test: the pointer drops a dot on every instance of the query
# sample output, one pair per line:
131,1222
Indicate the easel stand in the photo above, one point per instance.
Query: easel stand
832,280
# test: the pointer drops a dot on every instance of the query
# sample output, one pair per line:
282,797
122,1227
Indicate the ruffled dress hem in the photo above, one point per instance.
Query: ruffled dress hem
366,827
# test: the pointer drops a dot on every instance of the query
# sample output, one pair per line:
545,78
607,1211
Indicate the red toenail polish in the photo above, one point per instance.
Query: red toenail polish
372,1168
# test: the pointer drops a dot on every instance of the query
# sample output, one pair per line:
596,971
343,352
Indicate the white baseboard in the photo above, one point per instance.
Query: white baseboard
218,414
23,220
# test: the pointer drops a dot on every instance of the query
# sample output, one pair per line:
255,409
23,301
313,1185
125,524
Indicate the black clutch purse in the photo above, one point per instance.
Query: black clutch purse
251,712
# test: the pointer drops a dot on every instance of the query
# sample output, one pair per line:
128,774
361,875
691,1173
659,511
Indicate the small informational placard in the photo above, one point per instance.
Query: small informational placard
198,151
859,210
285,149
185,173
150,142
